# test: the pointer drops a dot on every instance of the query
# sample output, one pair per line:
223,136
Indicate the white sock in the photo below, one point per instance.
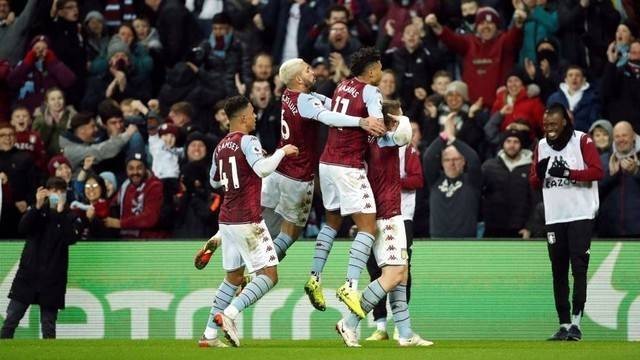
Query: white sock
381,325
566,326
575,319
210,333
231,311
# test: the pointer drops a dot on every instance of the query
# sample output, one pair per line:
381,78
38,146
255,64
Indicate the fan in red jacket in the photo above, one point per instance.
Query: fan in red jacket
140,202
488,55
517,101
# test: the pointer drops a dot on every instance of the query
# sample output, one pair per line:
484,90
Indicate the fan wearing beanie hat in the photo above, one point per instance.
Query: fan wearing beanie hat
458,87
519,101
506,194
487,14
197,146
140,199
488,55
110,181
60,166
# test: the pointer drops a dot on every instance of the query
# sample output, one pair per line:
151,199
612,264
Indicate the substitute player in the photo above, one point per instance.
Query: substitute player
343,179
567,167
289,190
238,166
390,246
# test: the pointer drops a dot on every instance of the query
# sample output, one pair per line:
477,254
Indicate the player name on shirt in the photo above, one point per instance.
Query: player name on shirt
228,145
290,103
346,146
348,89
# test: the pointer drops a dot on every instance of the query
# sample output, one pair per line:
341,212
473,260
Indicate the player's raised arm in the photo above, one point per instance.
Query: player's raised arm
261,165
311,107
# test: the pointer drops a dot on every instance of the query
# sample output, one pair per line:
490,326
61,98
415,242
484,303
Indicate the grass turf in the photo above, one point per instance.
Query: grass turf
308,350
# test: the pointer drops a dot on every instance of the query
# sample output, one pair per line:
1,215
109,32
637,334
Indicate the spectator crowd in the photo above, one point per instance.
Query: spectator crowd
124,100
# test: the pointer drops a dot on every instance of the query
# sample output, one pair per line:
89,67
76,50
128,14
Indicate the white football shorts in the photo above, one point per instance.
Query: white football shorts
290,198
248,245
347,189
390,246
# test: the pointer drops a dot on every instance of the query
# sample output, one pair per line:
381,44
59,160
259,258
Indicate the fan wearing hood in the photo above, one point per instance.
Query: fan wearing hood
579,97
601,132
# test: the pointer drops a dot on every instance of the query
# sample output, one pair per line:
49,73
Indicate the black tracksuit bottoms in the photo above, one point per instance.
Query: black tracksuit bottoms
569,243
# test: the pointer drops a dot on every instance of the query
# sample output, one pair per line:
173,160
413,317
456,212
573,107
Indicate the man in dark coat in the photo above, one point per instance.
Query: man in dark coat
68,45
585,30
621,87
42,276
507,198
18,176
177,28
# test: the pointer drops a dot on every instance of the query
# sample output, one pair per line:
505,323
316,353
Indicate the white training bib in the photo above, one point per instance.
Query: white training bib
567,200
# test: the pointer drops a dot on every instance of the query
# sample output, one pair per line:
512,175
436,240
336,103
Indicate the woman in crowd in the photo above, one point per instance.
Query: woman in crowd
52,119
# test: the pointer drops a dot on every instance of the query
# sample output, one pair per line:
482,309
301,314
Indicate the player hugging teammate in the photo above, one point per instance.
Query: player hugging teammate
371,198
357,134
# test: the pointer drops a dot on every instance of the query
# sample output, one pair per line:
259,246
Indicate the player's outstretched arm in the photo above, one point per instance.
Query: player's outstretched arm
261,165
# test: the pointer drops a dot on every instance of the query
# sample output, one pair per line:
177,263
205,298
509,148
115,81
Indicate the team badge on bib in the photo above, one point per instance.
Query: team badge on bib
551,238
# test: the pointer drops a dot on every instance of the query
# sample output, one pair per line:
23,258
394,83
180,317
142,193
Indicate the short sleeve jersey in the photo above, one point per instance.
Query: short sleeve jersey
384,177
232,165
347,146
299,110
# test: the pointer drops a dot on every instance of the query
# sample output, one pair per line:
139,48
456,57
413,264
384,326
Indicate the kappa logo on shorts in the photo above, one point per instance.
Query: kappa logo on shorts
365,196
551,238
363,186
269,248
265,239
391,248
389,238
388,227
272,258
392,257
367,206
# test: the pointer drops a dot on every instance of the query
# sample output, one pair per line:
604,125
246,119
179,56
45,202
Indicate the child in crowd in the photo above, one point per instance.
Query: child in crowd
166,161
27,139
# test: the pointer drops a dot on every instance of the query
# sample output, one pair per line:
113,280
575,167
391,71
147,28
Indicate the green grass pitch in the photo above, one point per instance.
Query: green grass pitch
322,349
